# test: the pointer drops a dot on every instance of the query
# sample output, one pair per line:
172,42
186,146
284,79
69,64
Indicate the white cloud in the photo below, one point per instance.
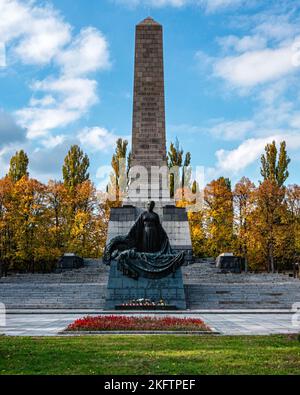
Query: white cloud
243,44
276,27
268,53
270,94
73,98
256,67
97,139
295,121
43,102
275,116
37,33
87,53
236,160
215,5
72,93
204,61
2,55
54,141
232,130
209,5
154,3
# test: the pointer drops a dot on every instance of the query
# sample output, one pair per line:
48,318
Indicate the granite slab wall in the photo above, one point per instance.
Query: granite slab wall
122,289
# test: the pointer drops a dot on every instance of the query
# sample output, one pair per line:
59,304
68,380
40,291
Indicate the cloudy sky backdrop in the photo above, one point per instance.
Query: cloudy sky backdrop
232,72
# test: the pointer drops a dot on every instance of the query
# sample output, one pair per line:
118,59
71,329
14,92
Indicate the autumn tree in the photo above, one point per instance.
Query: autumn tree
243,203
218,200
120,171
83,231
18,166
28,219
39,223
57,202
6,231
271,209
198,236
269,220
293,206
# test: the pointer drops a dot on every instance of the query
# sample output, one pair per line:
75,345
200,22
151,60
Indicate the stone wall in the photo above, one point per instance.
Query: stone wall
122,289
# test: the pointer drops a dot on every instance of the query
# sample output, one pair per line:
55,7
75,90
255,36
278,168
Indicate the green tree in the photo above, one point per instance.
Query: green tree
75,168
129,164
195,187
175,155
186,173
293,204
273,167
177,159
120,172
18,166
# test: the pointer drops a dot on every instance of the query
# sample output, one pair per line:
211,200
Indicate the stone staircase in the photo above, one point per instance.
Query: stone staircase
206,288
78,289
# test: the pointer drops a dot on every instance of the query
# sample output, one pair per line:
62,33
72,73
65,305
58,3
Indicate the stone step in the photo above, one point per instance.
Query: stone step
78,289
205,287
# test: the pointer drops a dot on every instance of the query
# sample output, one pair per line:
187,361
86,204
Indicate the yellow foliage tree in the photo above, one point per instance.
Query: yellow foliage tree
218,212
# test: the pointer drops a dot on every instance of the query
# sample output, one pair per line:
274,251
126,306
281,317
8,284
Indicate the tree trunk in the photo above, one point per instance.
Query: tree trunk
271,259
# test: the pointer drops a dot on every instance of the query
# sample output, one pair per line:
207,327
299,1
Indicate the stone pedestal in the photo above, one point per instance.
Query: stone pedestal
122,289
70,262
230,264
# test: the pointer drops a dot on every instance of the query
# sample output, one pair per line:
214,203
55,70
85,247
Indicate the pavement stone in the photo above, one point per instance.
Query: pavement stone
226,324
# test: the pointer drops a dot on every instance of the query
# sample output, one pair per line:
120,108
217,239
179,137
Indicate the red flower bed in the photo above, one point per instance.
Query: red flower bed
128,323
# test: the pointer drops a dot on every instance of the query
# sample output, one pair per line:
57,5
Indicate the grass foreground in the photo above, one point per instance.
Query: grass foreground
276,355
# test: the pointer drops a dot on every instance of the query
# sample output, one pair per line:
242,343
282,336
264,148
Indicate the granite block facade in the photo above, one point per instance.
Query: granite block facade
148,127
122,289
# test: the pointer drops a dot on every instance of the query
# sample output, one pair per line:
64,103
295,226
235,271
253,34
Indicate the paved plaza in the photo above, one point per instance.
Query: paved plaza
226,323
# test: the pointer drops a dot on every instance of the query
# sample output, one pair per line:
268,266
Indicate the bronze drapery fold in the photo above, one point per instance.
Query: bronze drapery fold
145,251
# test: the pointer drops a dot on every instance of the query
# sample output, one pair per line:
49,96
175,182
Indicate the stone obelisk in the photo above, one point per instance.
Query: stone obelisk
149,130
149,125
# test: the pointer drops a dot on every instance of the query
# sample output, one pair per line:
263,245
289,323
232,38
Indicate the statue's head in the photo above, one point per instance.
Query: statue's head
150,206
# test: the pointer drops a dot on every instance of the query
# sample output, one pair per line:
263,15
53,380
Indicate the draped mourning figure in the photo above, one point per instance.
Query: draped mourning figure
145,251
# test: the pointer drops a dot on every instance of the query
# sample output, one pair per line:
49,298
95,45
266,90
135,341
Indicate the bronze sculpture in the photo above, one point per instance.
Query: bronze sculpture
145,251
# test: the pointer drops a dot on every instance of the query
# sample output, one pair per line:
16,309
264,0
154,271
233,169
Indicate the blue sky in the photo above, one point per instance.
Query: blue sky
231,71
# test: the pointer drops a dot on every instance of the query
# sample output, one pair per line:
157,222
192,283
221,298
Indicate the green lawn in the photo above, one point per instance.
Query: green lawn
150,355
